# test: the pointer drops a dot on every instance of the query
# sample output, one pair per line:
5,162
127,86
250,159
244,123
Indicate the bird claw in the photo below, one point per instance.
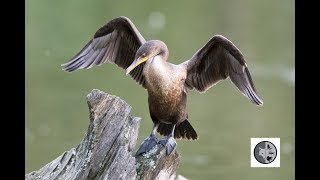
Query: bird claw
169,143
147,145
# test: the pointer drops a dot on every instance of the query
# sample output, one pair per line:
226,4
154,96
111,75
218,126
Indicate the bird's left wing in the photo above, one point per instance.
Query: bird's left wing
116,42
216,61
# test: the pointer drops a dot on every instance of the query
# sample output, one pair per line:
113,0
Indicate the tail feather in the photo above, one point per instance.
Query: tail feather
183,130
164,129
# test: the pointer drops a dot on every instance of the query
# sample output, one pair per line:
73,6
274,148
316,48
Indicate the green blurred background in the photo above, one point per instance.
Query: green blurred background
56,110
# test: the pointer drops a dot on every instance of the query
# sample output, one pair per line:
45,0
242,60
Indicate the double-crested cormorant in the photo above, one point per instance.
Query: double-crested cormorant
120,42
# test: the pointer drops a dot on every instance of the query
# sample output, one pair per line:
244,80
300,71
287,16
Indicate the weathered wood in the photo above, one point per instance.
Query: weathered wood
107,150
157,165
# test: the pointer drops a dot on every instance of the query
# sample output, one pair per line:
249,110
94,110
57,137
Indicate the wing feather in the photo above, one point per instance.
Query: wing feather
216,61
116,42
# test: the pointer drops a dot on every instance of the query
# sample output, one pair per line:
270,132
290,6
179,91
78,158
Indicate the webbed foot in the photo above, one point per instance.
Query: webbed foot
169,143
147,144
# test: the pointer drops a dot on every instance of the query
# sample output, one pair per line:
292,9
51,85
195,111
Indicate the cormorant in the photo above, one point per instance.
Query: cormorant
120,42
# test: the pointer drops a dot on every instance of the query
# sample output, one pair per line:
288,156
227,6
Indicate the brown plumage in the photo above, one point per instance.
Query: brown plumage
120,42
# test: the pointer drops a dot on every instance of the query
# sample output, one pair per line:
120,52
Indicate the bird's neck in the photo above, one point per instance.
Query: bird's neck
162,76
156,72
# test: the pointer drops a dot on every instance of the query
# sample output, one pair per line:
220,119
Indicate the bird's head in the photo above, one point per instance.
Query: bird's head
148,51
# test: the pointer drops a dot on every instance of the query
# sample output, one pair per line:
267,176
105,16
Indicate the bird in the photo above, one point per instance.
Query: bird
120,42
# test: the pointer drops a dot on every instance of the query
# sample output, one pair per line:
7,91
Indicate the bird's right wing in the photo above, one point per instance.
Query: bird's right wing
116,42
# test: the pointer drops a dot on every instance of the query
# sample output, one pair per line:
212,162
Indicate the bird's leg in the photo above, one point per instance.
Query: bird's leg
149,142
169,142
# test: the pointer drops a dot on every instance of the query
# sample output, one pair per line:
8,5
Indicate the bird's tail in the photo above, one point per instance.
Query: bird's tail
183,130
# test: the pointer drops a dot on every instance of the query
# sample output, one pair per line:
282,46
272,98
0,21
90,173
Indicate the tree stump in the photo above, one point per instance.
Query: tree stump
107,151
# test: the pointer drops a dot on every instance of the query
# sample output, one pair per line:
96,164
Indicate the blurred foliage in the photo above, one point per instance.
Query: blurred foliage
56,110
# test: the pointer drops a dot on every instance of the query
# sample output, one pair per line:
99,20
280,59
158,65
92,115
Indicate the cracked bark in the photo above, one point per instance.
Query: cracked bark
107,150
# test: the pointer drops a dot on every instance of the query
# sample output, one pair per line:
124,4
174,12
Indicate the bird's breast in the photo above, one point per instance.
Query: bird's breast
165,85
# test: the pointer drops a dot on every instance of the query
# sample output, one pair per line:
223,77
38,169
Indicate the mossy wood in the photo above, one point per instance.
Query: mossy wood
107,150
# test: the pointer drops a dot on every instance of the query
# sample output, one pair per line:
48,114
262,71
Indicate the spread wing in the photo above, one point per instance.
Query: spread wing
116,42
216,61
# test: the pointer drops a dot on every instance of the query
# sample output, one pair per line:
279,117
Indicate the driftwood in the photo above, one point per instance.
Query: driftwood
107,150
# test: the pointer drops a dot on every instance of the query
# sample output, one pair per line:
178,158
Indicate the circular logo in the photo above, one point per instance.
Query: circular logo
265,152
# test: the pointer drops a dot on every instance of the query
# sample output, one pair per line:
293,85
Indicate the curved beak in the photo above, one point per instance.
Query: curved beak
135,63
